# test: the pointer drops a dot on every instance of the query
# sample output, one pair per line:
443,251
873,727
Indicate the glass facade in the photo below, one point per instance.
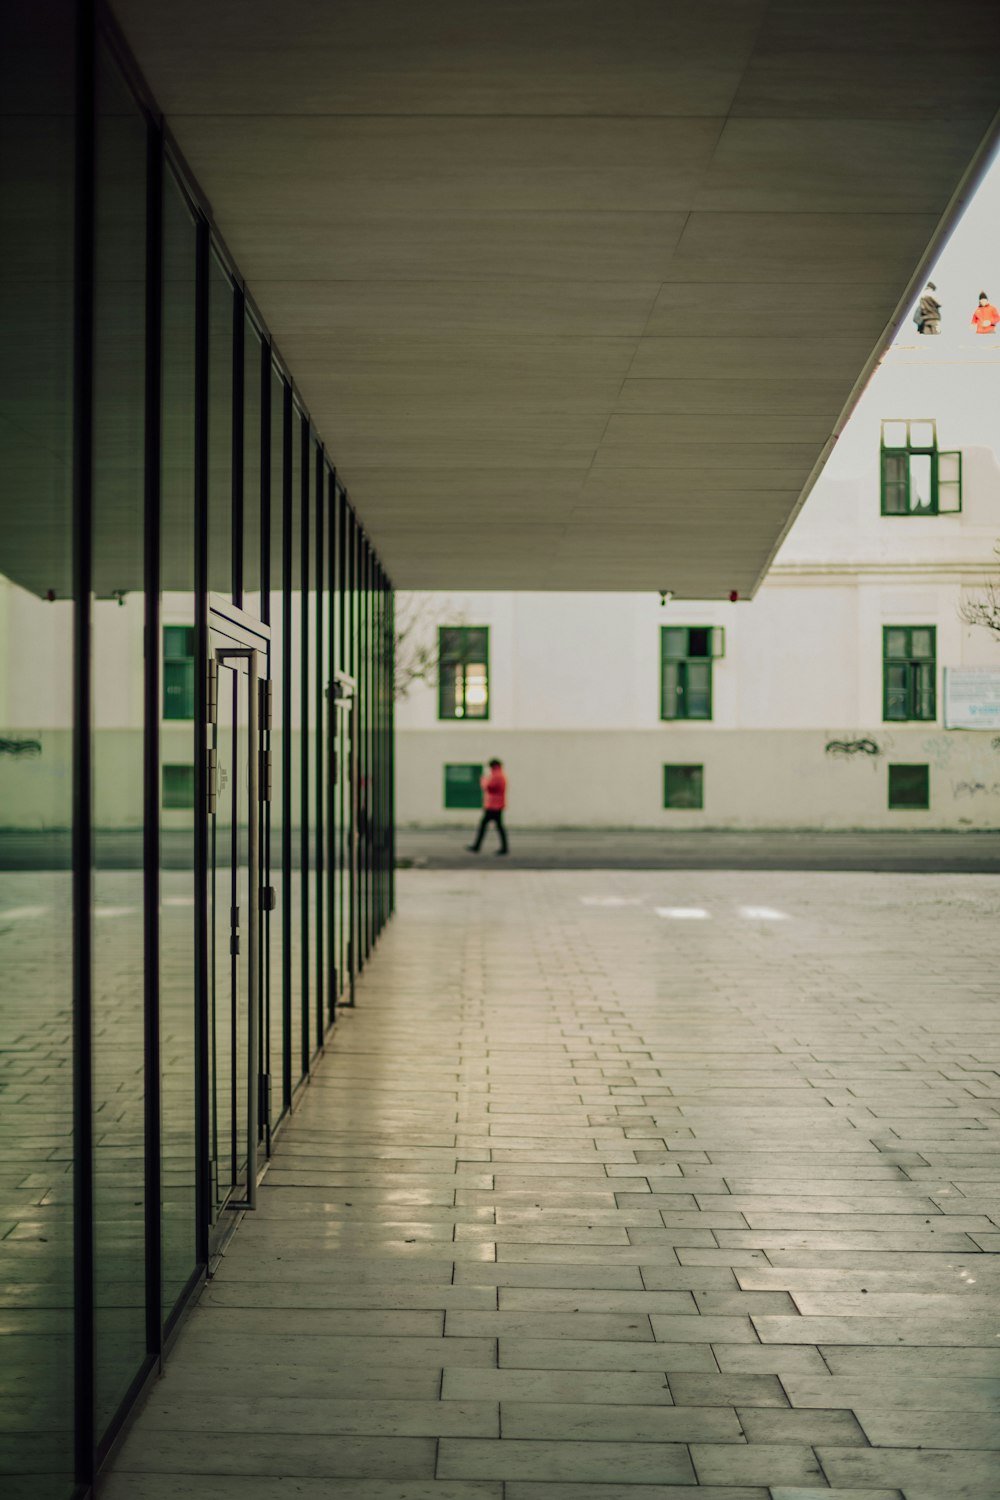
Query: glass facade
195,744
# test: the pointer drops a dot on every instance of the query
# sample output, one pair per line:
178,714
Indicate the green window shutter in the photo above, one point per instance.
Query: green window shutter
684,787
909,786
461,786
949,482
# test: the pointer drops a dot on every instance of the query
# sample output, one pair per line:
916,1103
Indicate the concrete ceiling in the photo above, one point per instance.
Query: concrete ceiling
576,291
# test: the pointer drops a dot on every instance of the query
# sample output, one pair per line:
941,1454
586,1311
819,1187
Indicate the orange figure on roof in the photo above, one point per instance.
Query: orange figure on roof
985,318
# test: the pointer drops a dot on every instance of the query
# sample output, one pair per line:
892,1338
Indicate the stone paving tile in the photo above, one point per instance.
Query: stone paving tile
673,1211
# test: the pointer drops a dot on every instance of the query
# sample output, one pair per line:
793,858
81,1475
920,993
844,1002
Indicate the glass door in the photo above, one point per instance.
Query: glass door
234,919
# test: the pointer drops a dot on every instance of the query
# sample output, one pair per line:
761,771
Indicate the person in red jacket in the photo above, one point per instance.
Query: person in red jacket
985,318
494,785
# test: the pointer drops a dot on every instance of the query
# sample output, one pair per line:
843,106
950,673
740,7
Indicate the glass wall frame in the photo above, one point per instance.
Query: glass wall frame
164,478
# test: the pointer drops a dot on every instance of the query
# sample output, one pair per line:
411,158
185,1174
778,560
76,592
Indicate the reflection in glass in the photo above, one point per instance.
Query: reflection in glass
118,623
177,750
36,784
293,748
220,430
273,965
251,466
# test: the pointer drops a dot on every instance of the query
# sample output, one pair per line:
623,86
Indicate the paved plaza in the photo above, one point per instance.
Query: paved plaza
623,1186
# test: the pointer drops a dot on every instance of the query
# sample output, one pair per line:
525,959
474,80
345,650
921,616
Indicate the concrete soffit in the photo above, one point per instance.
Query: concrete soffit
579,296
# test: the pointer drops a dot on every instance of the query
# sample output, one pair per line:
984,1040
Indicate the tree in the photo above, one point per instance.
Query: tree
984,608
415,644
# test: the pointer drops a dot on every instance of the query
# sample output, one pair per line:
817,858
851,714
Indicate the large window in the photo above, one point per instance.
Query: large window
461,786
909,670
918,479
909,786
463,672
684,787
686,655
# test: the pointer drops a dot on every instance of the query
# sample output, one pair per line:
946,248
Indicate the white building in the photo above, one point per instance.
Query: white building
820,704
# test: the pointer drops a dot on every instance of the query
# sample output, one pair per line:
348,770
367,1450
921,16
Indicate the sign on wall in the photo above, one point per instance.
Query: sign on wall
972,698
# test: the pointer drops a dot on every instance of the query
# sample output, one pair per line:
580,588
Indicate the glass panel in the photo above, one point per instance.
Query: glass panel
909,786
476,691
920,481
896,643
242,813
924,674
177,749
672,708
178,786
922,435
698,696
682,786
699,642
449,692
251,467
293,666
220,430
922,643
674,640
894,434
118,623
451,643
313,860
894,484
36,716
897,690
222,1094
949,467
276,812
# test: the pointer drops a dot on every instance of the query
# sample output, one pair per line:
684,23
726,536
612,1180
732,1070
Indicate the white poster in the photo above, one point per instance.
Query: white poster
972,698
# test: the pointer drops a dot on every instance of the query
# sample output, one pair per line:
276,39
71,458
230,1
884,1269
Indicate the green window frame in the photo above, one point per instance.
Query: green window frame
178,671
686,656
909,786
918,478
464,672
684,787
909,673
461,786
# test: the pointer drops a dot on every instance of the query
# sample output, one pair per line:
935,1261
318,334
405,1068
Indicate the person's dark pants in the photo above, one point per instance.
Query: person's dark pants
491,815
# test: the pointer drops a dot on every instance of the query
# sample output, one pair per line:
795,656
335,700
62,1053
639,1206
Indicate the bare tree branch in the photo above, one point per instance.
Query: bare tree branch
416,645
984,608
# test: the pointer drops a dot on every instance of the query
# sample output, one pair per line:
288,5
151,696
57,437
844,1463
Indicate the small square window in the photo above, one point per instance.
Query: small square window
684,786
461,786
178,787
909,786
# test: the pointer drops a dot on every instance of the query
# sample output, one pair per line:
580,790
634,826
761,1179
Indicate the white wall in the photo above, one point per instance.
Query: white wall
574,678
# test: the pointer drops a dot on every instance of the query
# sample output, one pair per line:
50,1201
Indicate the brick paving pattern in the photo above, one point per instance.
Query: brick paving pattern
623,1186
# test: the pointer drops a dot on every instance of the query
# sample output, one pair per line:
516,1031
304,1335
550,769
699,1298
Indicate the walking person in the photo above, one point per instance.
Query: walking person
928,314
494,785
985,317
